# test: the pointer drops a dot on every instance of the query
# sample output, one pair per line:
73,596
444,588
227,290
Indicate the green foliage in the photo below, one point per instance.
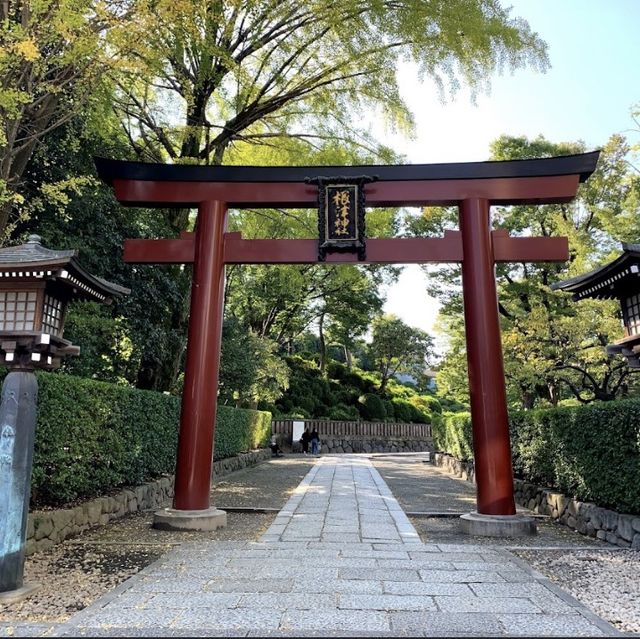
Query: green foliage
398,348
452,434
250,370
372,408
259,72
52,59
240,430
590,452
403,410
93,437
349,394
554,347
342,412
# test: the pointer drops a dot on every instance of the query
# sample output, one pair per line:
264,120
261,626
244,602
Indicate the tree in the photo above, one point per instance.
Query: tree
260,71
71,208
209,82
553,347
52,58
250,371
258,80
398,348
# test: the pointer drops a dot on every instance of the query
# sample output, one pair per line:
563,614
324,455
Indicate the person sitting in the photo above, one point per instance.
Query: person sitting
276,451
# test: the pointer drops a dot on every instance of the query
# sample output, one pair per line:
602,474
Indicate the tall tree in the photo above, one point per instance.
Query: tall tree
398,348
553,347
206,75
52,57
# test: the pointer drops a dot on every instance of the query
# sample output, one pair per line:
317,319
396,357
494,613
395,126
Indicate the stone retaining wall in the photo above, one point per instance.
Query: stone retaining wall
48,527
585,517
371,445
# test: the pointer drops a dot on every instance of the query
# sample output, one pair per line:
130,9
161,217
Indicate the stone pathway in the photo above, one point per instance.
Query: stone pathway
340,558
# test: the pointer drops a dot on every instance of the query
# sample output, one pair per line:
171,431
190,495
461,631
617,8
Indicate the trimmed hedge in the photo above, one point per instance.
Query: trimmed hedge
588,452
94,436
452,434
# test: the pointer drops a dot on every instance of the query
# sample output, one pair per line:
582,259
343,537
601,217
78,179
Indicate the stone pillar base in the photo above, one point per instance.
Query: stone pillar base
498,525
14,596
172,519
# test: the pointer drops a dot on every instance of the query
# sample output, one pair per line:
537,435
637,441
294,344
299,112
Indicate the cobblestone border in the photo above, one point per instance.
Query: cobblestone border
620,529
45,528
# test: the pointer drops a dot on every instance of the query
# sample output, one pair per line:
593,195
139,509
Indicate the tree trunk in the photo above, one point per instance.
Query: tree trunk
348,358
323,345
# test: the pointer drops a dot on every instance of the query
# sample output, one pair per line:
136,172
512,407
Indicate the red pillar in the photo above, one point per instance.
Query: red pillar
199,397
492,452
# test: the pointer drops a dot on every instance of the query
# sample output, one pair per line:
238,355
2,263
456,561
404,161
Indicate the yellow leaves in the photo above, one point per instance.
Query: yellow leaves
27,49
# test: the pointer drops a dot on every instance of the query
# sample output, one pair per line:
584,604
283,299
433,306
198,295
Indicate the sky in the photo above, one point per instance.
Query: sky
587,94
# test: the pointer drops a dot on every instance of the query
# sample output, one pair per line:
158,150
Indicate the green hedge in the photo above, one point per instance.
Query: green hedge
590,452
452,434
93,437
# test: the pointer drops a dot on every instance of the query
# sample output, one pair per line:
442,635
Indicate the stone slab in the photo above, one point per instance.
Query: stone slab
386,602
358,621
444,624
486,604
298,584
549,625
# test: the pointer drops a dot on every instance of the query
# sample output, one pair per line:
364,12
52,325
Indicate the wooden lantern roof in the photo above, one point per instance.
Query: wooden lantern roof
32,261
612,281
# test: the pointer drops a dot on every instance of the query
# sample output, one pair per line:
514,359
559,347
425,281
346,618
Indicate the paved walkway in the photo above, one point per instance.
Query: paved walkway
340,558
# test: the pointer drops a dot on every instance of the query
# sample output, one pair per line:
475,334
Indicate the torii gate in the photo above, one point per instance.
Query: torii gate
472,187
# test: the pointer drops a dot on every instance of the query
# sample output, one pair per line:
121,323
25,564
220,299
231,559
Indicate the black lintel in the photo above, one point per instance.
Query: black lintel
583,164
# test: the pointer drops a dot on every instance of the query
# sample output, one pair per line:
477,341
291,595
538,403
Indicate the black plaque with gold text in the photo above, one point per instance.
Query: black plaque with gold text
341,225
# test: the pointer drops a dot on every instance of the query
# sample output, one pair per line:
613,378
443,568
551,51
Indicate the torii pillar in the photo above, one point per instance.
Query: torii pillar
472,187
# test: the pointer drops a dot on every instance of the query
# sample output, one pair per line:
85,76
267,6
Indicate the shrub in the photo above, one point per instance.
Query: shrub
372,407
432,404
589,452
402,409
94,436
342,412
336,370
452,434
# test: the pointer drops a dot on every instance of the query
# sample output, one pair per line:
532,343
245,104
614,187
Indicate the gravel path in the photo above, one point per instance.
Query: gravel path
607,581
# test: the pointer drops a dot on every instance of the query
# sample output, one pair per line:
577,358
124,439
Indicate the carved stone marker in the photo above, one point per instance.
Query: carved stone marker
17,432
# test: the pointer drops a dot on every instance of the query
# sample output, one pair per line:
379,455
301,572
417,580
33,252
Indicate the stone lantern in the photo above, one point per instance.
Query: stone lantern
36,286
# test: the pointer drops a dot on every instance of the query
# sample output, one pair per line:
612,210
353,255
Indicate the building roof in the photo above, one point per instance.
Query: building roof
36,261
609,281
582,164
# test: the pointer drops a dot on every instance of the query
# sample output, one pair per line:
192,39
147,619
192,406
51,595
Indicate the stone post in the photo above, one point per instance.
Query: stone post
17,433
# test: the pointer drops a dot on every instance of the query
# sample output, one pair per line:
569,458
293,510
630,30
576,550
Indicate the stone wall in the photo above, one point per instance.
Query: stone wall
48,527
585,517
354,444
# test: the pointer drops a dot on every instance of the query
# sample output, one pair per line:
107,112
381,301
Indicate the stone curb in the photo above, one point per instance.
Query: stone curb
587,518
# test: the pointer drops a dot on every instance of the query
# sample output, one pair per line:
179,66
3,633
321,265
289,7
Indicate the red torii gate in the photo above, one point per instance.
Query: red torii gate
473,187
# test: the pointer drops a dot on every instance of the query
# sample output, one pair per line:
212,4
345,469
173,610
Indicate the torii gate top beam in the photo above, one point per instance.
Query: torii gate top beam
540,181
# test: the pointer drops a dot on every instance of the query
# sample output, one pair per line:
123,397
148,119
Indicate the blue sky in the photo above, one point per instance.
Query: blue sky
587,94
